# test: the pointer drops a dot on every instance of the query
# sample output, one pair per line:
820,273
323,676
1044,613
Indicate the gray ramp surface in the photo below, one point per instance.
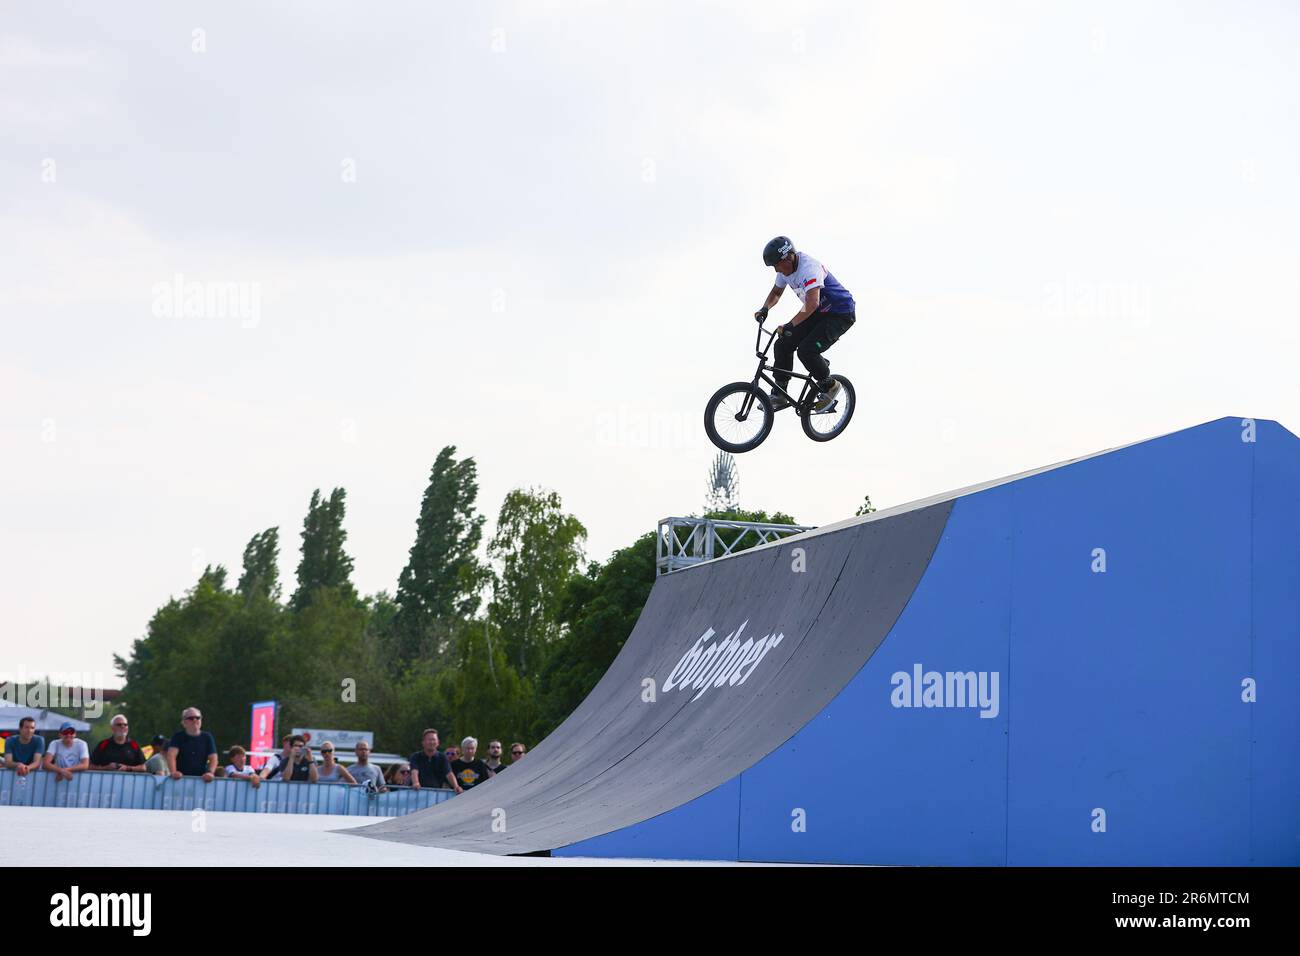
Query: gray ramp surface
618,759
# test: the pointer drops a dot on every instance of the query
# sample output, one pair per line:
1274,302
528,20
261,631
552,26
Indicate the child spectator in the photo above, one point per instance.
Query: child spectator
238,768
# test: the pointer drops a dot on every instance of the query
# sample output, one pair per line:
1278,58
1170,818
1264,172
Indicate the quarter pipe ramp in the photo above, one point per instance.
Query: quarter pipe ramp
1092,663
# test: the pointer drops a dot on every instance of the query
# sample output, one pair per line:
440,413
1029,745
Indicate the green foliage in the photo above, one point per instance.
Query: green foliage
211,650
538,548
481,693
324,563
318,650
261,577
599,609
865,508
443,577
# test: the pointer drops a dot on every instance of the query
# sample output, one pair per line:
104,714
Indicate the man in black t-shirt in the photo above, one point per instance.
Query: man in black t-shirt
118,752
296,764
192,752
467,770
494,757
430,769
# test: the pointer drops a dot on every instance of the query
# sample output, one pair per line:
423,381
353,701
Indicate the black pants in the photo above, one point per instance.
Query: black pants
810,338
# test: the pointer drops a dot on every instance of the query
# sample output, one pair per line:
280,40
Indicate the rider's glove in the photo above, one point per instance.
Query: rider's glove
761,314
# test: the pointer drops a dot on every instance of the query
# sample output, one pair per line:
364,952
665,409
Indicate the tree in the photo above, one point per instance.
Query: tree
600,607
538,548
322,646
482,693
211,649
324,563
442,577
261,566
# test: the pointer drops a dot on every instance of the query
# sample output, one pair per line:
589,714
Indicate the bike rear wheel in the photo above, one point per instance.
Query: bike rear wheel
738,417
825,425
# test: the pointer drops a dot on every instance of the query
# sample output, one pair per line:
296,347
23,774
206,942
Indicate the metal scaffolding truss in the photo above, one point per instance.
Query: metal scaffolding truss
683,542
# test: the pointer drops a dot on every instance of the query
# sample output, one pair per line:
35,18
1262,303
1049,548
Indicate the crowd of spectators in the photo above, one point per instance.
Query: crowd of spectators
192,752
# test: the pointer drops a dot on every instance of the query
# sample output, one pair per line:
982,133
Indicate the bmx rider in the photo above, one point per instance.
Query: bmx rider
828,312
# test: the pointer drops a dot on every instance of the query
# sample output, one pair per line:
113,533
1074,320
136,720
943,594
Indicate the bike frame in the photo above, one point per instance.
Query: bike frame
764,367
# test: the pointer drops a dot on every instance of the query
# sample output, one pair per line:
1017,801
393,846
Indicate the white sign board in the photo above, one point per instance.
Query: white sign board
342,739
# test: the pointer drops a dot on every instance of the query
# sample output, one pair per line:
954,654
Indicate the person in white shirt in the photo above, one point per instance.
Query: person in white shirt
238,768
828,312
69,754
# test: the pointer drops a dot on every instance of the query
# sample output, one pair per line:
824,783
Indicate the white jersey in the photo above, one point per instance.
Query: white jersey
811,274
71,755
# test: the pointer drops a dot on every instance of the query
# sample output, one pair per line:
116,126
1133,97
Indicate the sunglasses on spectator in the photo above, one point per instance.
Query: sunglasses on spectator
327,750
199,717
516,753
67,733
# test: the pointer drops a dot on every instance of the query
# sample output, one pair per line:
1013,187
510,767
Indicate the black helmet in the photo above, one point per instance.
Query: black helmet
776,250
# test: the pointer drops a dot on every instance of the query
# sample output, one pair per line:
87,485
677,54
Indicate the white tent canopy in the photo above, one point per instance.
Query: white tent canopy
47,721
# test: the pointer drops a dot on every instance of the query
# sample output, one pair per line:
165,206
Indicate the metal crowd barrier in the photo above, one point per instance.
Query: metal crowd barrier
110,789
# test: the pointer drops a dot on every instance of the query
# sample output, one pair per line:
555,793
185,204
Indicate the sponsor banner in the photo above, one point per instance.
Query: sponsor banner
342,739
262,736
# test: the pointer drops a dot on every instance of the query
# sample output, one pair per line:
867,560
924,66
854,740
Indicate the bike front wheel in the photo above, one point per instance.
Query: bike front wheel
826,424
738,417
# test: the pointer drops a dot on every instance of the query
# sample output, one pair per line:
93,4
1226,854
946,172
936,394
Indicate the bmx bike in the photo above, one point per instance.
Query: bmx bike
739,416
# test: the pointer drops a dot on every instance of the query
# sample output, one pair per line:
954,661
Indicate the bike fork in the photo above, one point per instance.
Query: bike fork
748,404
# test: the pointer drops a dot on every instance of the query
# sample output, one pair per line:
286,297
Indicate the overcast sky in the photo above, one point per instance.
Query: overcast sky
533,230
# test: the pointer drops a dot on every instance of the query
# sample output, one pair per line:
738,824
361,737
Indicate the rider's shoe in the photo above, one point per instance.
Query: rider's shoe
779,401
827,397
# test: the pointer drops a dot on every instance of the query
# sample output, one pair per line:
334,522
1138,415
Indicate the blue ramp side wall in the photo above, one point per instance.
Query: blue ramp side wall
1119,691
706,828
868,781
1275,664
1124,684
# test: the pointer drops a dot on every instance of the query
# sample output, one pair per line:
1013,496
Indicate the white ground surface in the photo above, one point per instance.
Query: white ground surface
53,836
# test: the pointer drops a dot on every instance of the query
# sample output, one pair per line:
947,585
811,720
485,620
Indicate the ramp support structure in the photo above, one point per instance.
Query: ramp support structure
683,542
